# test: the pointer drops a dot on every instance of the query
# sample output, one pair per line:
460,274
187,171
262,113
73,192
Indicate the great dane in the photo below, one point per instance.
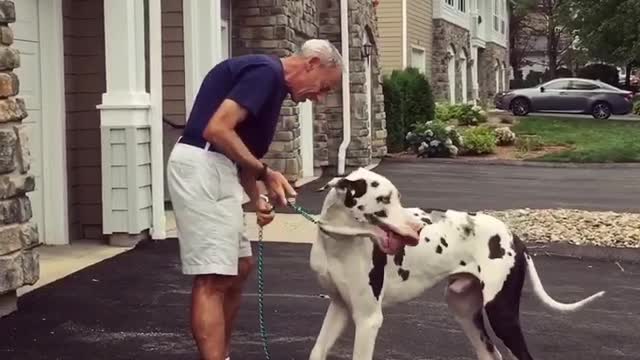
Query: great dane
371,252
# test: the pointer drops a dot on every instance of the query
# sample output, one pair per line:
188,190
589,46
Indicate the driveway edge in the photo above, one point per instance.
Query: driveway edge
545,164
586,252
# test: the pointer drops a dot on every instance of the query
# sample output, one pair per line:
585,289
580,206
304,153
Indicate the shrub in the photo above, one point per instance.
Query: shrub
504,136
479,140
563,72
525,143
603,72
408,100
434,139
636,108
462,114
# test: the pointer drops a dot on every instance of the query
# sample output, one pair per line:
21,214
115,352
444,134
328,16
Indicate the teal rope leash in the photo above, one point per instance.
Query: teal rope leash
263,328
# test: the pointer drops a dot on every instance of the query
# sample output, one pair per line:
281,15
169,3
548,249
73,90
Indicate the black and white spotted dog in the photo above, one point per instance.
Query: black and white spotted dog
412,250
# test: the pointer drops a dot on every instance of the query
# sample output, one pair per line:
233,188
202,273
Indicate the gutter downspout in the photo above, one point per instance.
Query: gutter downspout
158,230
346,88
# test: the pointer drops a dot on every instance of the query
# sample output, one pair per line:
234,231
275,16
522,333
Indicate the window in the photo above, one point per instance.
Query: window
582,85
418,59
557,85
462,6
449,2
495,16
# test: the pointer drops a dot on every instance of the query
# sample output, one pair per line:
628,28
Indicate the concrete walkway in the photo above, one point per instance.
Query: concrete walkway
136,306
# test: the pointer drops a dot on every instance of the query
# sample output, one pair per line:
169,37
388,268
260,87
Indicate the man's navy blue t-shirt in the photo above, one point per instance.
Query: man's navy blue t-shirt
256,82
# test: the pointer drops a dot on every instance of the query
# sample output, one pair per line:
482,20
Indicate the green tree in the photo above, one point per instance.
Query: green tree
521,41
608,30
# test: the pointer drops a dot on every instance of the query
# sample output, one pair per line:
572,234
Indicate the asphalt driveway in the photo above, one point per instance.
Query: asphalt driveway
135,306
473,187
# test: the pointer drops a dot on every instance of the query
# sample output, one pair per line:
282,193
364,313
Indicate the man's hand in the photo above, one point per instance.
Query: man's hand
279,187
264,211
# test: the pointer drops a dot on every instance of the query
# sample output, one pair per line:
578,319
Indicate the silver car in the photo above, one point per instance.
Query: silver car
568,95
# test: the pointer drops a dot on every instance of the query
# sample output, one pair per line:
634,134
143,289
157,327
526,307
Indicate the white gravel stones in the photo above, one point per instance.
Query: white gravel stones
579,227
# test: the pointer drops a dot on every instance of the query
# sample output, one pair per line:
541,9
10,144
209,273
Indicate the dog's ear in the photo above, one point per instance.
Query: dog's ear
331,184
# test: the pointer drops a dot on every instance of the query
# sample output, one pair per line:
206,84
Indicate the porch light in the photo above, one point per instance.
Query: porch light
366,50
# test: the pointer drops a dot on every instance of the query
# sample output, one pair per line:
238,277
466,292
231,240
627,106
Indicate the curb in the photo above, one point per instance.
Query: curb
543,164
585,252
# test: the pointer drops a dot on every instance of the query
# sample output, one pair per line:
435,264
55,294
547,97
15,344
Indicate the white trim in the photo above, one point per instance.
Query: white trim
305,117
54,154
202,48
346,87
404,34
463,76
158,227
451,74
368,90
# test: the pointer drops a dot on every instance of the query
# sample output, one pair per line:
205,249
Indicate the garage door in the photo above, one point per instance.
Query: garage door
26,40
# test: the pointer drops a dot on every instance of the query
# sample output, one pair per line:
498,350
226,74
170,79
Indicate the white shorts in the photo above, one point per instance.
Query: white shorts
207,197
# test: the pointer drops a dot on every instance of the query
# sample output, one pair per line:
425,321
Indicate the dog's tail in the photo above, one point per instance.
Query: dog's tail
548,300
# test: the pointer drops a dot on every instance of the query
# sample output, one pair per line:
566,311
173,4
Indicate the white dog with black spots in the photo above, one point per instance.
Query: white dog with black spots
371,252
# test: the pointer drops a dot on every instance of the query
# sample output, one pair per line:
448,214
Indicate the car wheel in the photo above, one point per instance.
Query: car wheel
601,111
520,107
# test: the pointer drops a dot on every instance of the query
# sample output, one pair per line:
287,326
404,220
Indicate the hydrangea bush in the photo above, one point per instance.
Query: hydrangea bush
435,139
460,114
504,136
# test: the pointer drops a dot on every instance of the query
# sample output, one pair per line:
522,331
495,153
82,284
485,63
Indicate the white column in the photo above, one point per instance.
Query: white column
125,62
124,123
474,74
202,43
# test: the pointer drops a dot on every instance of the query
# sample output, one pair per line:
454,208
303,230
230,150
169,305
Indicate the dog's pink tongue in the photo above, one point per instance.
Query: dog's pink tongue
392,243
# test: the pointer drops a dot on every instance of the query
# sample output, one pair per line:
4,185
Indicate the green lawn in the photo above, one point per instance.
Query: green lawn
591,140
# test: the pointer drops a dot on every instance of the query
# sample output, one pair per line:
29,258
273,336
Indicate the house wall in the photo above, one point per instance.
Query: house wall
420,29
19,263
173,79
84,84
446,34
390,38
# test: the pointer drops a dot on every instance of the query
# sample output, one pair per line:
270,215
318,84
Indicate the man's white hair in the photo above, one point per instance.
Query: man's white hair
322,49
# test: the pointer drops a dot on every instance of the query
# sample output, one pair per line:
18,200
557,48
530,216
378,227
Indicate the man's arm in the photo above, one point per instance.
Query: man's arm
221,131
251,186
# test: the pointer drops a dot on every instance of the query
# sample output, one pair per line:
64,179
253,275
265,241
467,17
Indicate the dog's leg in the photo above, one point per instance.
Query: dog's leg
332,327
368,319
503,311
464,297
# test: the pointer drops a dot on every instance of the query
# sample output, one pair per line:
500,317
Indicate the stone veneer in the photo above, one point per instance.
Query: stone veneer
279,27
328,128
487,58
276,27
444,35
19,263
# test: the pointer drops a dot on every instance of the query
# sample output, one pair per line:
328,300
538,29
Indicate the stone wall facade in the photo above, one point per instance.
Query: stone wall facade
364,146
487,68
276,27
446,34
19,263
279,27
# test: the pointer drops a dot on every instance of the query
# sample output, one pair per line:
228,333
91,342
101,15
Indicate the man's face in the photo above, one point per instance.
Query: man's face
315,81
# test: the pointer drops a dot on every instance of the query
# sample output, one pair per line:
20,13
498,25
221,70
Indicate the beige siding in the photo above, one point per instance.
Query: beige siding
84,84
173,105
390,34
420,28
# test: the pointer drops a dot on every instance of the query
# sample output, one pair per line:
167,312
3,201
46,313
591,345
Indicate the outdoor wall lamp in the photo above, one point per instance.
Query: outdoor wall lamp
366,50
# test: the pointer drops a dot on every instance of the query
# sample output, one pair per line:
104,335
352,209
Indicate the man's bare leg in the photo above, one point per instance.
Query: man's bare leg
207,314
233,298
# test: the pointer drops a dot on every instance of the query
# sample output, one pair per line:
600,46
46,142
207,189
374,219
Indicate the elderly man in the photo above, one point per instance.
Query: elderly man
230,128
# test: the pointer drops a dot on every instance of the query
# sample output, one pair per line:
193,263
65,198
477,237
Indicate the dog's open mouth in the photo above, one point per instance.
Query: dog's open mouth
393,240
